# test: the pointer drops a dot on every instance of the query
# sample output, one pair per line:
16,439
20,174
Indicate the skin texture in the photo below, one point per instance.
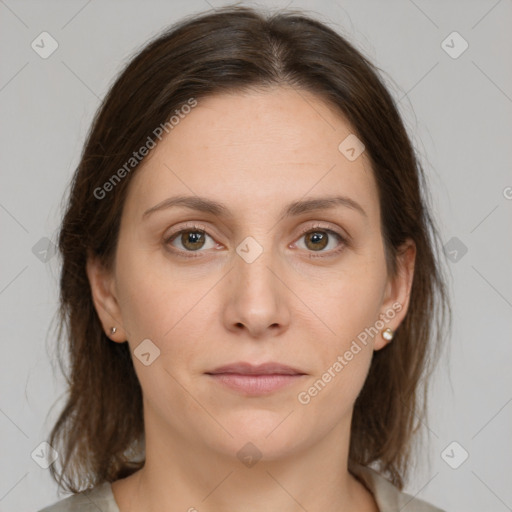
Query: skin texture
254,152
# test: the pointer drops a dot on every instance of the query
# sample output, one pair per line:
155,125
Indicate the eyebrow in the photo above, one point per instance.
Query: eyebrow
295,208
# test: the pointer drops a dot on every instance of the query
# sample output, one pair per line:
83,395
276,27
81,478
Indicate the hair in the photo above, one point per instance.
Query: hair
100,429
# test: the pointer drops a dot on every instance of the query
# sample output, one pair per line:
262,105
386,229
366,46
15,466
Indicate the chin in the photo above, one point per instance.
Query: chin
262,432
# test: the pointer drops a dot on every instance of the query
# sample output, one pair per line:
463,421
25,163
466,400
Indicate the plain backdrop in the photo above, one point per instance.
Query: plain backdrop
457,106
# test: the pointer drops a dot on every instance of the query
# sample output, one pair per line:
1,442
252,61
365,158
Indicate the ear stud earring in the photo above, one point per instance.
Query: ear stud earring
388,334
113,330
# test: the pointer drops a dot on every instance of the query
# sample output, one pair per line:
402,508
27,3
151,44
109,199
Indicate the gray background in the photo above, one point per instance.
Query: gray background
458,111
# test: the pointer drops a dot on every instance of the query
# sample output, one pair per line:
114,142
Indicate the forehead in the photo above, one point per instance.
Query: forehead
255,149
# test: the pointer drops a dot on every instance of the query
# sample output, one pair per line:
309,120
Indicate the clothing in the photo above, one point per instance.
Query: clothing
386,495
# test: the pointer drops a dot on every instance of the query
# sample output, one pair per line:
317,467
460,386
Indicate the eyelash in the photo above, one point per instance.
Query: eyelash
202,229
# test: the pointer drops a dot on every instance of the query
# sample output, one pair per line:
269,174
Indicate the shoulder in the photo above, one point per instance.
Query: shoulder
92,500
388,497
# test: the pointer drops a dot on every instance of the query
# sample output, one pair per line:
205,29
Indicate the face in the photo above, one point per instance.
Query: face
254,280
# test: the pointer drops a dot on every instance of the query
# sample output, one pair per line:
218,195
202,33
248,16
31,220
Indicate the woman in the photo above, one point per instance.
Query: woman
250,289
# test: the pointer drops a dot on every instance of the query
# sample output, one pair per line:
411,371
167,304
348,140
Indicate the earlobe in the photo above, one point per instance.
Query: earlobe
104,299
398,292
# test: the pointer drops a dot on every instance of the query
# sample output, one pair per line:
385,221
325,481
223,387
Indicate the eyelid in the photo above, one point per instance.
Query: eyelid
325,227
192,226
186,227
197,226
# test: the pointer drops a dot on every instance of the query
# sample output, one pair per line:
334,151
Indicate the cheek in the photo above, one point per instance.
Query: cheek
331,392
351,299
161,302
144,307
147,294
350,305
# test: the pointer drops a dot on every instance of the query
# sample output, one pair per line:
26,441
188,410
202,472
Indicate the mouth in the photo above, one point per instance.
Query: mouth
255,380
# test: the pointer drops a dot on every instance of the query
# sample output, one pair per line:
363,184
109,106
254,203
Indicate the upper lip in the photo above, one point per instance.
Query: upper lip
270,368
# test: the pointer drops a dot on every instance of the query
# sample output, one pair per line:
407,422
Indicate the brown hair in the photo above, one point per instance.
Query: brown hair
99,432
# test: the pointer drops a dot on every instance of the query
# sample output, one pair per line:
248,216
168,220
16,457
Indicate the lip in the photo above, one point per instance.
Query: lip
270,368
254,380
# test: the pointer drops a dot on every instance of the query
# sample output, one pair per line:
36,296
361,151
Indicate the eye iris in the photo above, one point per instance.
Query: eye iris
192,239
315,237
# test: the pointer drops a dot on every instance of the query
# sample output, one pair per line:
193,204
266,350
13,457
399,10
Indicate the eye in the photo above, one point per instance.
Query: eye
191,239
319,237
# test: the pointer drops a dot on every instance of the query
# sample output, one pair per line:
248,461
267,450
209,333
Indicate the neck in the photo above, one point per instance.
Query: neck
182,474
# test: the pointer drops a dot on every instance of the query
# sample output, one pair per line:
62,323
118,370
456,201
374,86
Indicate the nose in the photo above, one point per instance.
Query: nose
257,300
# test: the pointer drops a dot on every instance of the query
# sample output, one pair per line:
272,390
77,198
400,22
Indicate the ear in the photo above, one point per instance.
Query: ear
104,298
398,291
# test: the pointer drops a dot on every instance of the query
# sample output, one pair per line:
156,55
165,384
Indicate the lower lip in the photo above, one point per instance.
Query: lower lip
255,384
